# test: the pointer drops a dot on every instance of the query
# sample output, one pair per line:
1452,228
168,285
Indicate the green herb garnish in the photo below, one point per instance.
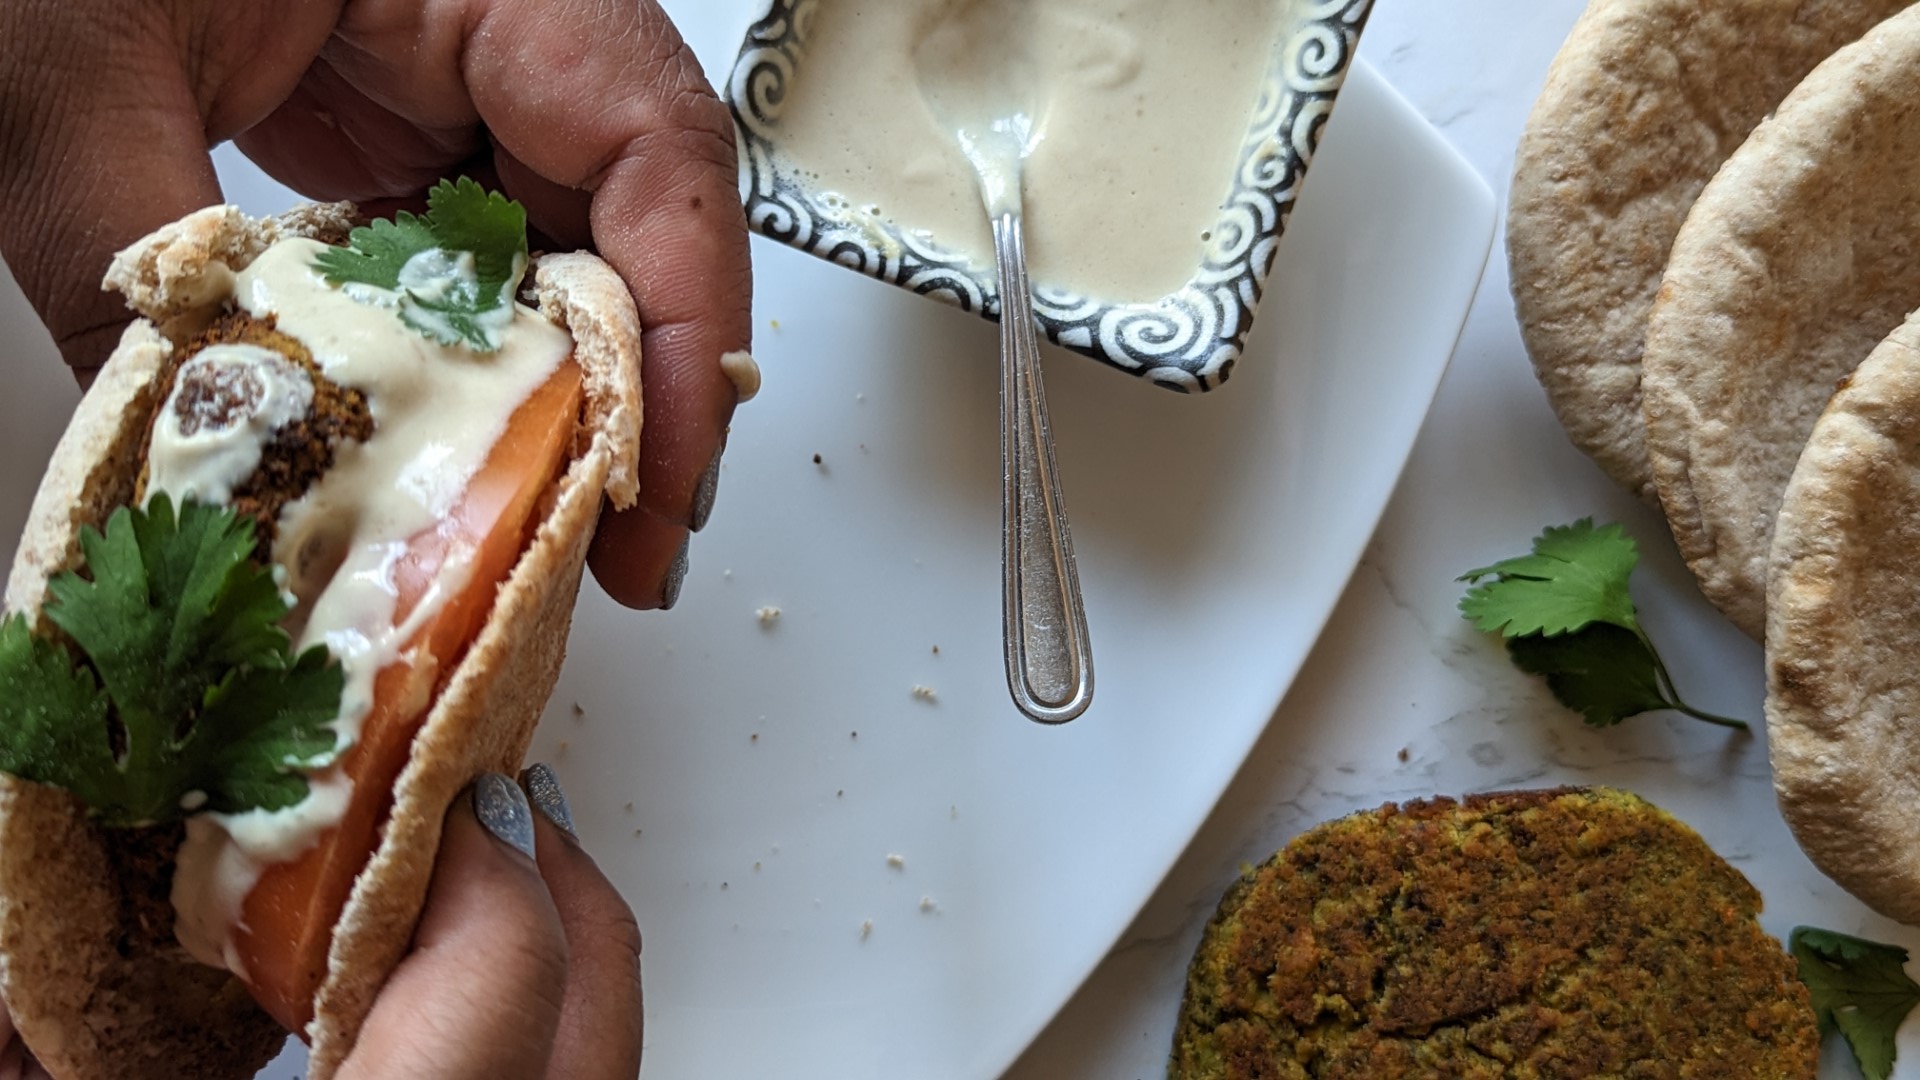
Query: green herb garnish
188,695
1860,988
1567,615
452,267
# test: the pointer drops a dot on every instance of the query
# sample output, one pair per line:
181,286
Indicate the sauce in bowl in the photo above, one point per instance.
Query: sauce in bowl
1145,110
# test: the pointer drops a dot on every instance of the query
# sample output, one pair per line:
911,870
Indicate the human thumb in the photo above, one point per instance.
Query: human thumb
480,994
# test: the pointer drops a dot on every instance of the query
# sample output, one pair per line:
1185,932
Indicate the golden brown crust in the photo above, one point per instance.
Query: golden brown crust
1795,262
1643,103
1843,628
89,1011
1538,933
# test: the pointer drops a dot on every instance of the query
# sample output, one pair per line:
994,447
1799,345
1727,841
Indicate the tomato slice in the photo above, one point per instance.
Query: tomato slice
287,920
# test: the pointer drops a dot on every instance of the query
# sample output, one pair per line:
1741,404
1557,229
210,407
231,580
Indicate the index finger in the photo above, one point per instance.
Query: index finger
601,1016
608,98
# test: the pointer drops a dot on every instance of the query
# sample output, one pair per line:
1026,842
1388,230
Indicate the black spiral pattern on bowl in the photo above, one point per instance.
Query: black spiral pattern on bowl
1188,341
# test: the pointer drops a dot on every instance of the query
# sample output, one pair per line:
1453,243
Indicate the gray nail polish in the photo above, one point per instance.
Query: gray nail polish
704,492
676,577
543,791
502,809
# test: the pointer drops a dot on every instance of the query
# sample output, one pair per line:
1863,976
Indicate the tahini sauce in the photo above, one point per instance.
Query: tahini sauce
1143,106
202,458
437,412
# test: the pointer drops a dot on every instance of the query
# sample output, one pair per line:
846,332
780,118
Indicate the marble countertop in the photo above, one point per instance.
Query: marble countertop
1401,699
1397,668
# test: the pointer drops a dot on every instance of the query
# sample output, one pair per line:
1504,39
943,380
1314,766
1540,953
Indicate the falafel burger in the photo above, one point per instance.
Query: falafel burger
302,566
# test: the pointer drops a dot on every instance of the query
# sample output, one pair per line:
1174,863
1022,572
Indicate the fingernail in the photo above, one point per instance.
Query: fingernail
704,492
502,809
543,791
676,577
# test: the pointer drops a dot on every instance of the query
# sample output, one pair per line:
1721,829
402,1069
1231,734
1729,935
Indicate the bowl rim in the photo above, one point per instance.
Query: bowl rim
1187,341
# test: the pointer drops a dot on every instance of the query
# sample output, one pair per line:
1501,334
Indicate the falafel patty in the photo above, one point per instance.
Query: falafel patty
299,453
1563,933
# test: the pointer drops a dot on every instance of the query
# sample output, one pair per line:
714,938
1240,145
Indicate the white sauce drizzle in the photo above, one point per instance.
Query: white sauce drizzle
437,412
224,854
226,405
741,370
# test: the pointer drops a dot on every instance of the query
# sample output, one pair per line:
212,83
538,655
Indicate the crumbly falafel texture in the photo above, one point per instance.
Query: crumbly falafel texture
299,453
1563,933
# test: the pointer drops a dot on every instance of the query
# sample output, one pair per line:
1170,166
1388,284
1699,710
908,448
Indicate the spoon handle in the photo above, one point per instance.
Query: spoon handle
1049,662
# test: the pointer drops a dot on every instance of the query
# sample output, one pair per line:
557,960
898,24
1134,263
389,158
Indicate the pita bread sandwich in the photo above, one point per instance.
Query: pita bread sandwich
1843,628
1644,102
1797,260
302,566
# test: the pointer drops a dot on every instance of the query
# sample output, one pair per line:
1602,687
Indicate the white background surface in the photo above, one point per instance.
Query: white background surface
1396,668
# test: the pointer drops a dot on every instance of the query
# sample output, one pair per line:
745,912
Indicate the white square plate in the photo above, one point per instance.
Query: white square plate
714,769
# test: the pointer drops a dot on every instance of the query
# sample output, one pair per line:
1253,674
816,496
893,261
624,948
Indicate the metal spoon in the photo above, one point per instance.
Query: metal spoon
978,47
1049,660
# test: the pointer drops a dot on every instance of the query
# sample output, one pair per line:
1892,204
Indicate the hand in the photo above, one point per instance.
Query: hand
521,966
593,115
16,1063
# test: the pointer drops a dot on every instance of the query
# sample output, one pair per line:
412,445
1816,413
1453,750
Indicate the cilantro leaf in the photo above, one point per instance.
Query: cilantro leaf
377,252
1576,575
1859,988
262,722
53,716
1568,616
1604,673
455,267
188,685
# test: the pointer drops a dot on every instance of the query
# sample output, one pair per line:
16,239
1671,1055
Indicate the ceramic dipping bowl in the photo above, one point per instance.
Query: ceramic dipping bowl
1188,340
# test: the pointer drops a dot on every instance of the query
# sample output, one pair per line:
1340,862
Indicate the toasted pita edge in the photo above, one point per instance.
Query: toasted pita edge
1727,406
1588,366
86,1010
1616,148
486,714
1842,691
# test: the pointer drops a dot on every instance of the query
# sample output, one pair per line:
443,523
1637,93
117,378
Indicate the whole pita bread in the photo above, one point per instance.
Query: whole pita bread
1796,261
1843,628
87,1004
1642,105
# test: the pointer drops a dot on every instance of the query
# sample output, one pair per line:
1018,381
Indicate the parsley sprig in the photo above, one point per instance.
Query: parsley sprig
185,682
474,244
1566,614
1860,988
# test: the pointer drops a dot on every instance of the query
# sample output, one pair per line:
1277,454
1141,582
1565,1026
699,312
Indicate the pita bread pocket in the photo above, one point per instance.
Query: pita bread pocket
1794,263
1843,627
453,674
1642,105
